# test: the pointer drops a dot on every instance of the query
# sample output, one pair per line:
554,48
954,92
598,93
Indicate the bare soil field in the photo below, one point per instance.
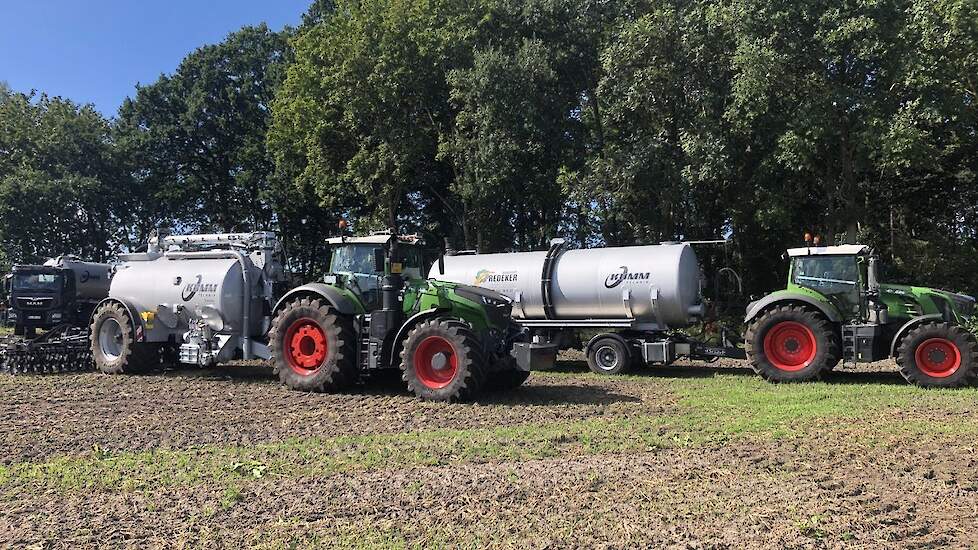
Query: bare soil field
686,456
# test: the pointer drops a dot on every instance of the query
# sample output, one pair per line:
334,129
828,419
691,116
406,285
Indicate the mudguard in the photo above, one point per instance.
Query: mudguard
135,321
755,308
908,326
411,321
336,299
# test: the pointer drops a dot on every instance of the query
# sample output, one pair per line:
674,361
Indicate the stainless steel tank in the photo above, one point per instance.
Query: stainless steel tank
190,284
654,285
91,279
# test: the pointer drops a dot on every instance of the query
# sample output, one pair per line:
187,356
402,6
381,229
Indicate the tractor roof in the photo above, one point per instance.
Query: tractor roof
376,238
841,250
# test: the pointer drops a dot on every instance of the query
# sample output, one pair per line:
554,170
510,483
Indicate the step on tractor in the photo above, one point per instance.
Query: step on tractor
835,308
376,311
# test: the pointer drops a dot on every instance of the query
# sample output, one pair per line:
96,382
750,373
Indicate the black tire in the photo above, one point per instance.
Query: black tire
609,356
939,355
442,360
313,348
803,345
506,375
113,348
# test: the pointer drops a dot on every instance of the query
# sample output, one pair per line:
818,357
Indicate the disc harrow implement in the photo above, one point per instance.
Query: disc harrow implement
62,349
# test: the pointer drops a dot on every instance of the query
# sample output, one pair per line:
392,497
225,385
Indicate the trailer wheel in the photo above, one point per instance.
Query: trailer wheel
507,375
442,360
609,356
939,355
791,344
113,347
313,348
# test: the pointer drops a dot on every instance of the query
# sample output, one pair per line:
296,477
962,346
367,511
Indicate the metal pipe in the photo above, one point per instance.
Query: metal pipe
246,279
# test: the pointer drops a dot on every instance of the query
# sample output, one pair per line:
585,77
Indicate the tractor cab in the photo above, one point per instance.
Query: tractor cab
359,263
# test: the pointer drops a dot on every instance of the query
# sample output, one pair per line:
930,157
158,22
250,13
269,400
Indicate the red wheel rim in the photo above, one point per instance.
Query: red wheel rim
938,357
435,362
306,346
790,346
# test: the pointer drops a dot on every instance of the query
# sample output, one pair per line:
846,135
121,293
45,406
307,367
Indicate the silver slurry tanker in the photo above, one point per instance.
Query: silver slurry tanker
640,294
207,297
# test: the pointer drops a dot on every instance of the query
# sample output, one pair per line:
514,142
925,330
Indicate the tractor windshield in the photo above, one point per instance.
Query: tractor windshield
37,281
353,258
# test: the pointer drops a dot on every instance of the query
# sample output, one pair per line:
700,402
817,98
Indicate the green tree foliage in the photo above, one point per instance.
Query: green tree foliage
60,183
503,123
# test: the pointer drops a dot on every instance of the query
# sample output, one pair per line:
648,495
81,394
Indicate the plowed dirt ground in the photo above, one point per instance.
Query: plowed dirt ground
687,456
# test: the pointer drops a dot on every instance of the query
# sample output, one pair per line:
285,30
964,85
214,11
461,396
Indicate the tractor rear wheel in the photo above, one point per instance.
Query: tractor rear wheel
313,348
114,348
939,355
791,344
442,360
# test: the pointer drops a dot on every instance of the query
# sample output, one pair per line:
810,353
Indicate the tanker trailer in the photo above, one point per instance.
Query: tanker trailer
64,290
634,297
199,299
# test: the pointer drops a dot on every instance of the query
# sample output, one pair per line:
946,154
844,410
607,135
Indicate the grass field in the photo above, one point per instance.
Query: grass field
688,456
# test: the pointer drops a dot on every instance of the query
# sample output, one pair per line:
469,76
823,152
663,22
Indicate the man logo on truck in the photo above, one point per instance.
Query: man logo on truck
615,279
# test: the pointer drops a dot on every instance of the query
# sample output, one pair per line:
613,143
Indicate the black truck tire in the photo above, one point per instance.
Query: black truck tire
792,344
939,355
114,349
609,356
441,360
313,347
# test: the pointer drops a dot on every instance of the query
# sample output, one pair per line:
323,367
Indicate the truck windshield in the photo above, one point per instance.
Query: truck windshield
37,281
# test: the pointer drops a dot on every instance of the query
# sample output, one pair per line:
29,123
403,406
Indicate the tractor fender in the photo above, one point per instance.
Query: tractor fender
406,327
339,302
910,325
755,308
135,321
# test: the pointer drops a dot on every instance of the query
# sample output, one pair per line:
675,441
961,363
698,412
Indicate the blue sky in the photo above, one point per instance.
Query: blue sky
95,51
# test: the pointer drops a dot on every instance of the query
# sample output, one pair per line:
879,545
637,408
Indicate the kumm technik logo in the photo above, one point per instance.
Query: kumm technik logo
617,278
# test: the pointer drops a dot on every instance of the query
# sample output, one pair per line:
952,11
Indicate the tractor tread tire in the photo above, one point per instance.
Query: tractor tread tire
339,370
828,348
472,370
967,373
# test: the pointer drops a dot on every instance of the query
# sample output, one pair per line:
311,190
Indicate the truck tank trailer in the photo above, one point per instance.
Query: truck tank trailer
636,297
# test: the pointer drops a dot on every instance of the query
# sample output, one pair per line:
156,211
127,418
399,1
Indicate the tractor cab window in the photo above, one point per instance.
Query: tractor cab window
353,258
835,277
37,281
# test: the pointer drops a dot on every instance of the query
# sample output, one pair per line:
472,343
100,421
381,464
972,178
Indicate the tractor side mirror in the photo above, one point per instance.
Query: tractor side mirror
379,260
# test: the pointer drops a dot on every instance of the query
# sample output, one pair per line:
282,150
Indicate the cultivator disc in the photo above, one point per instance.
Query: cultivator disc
62,349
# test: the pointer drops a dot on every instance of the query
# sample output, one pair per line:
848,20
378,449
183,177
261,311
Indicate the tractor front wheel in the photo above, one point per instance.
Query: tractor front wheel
442,360
791,344
939,355
313,348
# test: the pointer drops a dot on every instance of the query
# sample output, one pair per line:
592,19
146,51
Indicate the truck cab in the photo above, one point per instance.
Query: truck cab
38,297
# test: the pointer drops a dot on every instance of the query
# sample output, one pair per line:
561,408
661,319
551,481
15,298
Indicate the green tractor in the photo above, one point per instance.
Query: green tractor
835,308
375,311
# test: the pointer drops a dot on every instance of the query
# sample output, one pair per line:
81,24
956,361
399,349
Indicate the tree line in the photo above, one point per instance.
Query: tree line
500,124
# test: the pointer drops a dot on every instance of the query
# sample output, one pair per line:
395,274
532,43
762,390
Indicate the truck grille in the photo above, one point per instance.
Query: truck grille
39,303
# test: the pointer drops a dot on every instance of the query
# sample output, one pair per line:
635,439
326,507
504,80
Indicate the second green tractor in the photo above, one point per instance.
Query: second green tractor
835,308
